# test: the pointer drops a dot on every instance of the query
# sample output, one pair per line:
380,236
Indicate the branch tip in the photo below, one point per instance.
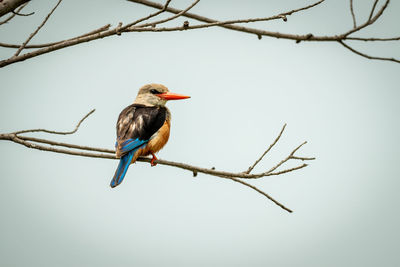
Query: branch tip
23,15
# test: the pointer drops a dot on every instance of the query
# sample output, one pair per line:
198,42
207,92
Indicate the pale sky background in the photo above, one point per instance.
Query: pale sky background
58,210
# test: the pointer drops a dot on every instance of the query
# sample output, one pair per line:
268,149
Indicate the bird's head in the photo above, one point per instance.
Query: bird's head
156,95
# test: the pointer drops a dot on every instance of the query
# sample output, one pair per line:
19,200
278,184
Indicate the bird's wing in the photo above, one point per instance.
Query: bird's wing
136,124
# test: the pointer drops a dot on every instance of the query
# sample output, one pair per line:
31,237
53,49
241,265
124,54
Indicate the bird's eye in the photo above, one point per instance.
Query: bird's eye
154,91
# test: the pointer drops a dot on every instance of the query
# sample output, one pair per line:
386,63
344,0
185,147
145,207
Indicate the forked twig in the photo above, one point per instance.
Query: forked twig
37,30
266,151
147,17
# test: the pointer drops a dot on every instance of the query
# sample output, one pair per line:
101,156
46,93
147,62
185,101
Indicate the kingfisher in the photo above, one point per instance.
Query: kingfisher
143,127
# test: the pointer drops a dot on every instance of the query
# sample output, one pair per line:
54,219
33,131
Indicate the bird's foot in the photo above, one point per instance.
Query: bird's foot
153,159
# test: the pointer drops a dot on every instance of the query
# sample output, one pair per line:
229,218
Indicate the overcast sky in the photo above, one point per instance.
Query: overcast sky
58,210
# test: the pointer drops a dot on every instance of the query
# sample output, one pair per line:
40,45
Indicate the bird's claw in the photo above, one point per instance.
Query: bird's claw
152,163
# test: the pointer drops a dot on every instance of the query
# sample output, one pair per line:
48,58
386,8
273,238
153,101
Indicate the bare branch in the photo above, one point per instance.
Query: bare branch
372,10
57,46
53,146
19,140
258,32
369,21
368,56
261,192
289,170
352,14
373,39
53,143
101,29
57,132
110,154
172,17
266,151
10,5
37,30
141,28
229,24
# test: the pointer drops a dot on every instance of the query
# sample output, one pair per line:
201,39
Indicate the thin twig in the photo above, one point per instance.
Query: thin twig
288,170
147,17
266,151
373,39
301,158
15,138
37,30
352,14
372,10
53,143
261,192
23,15
286,159
67,43
369,21
13,14
101,29
368,56
172,17
57,132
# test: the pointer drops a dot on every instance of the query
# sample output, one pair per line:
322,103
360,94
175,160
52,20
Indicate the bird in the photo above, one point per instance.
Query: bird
143,128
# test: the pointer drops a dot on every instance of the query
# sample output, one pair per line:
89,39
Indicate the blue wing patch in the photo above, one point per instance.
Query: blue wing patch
131,144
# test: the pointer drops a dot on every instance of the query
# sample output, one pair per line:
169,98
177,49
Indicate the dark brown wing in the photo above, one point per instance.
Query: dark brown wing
139,122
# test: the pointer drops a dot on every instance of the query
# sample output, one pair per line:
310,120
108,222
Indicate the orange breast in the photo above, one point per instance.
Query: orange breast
157,141
160,138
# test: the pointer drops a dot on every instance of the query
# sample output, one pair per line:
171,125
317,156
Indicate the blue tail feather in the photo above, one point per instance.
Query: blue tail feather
123,166
129,147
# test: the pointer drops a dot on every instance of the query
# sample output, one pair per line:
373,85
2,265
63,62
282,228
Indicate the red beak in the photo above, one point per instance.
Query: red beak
172,96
